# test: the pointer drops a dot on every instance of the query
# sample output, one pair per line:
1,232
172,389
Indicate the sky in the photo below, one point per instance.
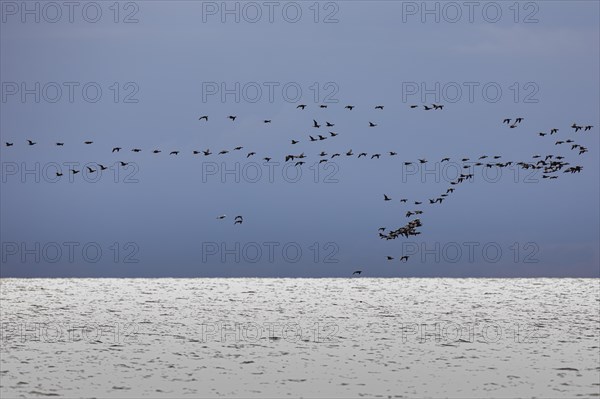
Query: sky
140,75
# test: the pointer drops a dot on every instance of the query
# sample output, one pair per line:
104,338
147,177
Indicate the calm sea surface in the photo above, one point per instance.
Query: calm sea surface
300,337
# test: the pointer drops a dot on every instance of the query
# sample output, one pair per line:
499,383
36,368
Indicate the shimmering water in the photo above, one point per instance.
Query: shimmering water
300,337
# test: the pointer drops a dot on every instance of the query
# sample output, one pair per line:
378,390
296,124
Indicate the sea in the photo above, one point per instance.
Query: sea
272,338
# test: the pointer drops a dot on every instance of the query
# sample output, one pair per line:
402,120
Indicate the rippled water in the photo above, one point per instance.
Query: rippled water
300,337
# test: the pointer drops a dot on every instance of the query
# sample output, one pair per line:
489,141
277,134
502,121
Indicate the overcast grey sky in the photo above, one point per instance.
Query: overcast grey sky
161,65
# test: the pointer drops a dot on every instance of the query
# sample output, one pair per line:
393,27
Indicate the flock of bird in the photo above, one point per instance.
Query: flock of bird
549,164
